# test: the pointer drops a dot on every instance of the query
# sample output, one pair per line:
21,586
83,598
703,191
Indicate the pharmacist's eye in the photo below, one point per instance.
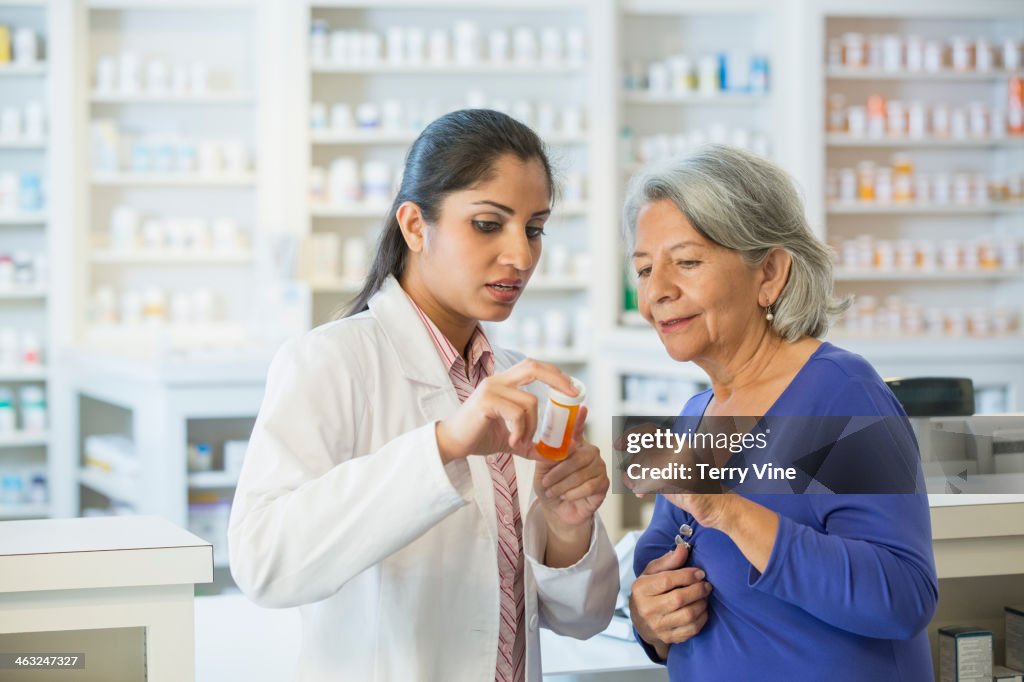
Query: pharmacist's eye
535,231
486,226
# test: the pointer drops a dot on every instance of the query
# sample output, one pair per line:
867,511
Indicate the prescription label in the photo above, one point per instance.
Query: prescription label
552,431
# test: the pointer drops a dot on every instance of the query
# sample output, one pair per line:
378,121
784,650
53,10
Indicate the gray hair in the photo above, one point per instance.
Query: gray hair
743,202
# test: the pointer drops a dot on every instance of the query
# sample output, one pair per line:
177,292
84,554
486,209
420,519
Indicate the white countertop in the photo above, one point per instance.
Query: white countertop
83,553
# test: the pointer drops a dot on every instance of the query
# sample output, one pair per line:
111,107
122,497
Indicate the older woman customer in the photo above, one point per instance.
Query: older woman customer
775,587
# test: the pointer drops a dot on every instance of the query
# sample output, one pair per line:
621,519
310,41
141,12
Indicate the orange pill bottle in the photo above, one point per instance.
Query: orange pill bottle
559,421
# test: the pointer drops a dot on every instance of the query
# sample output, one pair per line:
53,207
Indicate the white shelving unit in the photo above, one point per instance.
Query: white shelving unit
424,90
994,155
174,143
25,228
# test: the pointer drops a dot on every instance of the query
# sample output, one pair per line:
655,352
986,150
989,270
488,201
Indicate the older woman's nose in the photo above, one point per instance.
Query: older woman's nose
660,287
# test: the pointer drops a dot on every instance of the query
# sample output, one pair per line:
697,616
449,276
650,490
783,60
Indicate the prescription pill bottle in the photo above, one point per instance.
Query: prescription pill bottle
559,421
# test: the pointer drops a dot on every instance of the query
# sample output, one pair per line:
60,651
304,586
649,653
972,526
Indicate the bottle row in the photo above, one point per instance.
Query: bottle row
664,146
392,115
896,317
24,487
668,394
349,260
893,52
461,45
880,118
20,349
131,232
552,332
18,46
681,75
26,124
346,182
21,192
27,415
23,270
984,254
154,306
116,151
130,74
872,183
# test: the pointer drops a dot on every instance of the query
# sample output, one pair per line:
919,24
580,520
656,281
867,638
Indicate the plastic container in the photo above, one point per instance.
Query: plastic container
559,421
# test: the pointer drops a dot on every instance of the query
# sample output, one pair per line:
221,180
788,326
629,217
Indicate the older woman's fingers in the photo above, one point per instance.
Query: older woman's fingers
685,632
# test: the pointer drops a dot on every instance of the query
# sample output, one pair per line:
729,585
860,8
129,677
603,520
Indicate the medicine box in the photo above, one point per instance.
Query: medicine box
965,654
1001,673
1015,637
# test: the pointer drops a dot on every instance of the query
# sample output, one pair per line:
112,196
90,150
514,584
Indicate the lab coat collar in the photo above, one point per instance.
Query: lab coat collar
409,339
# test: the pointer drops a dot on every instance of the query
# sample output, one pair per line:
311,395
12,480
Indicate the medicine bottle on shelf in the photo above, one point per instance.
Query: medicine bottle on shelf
559,421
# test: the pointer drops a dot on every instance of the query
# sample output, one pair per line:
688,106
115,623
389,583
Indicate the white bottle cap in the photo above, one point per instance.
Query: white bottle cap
563,399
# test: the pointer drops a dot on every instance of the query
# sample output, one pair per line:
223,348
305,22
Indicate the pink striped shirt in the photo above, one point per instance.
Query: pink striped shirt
511,662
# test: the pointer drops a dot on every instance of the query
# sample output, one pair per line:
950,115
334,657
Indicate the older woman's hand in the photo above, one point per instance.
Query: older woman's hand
669,603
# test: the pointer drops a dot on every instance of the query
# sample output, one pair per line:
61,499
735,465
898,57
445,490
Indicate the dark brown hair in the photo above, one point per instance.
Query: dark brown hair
454,152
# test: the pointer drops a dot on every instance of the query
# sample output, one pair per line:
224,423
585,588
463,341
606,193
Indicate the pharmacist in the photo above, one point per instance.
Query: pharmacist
360,500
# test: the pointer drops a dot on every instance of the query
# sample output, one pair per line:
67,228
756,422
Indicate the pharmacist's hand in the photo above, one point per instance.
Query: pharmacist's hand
498,416
571,490
669,603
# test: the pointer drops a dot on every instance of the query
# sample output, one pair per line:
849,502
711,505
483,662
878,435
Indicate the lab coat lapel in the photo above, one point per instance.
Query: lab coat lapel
416,354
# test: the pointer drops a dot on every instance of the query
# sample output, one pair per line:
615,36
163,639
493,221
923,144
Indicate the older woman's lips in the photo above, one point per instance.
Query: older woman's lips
675,324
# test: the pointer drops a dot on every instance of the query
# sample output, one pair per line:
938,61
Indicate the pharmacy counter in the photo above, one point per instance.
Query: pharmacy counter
112,597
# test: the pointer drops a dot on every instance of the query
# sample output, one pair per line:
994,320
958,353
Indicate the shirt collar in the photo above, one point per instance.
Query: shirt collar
480,351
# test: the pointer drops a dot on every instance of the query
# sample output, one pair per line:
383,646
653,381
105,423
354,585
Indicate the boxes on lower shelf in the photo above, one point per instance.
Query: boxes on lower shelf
208,518
112,453
965,654
1015,637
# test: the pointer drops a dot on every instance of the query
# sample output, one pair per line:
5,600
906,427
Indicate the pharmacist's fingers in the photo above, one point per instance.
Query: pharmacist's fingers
581,420
527,371
590,467
518,409
577,458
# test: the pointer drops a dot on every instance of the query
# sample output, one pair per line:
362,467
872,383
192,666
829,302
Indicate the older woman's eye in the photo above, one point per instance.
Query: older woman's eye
643,272
689,263
486,225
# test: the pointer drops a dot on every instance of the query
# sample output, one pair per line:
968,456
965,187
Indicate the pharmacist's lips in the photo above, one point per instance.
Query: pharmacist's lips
506,283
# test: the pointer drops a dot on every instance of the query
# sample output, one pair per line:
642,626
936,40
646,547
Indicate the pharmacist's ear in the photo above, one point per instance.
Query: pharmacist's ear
413,226
774,273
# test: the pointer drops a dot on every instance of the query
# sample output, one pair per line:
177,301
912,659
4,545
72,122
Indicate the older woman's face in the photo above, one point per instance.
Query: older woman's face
699,296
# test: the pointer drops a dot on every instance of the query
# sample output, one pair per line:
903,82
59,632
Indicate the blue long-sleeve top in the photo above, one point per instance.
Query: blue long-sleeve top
850,585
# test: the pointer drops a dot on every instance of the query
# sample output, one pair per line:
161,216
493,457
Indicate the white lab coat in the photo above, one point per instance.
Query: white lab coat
344,508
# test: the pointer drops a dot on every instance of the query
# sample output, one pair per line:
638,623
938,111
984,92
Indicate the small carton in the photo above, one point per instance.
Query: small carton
965,654
1015,637
1001,673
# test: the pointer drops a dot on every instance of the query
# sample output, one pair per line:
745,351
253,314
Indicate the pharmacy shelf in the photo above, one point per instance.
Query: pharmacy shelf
405,137
212,480
360,210
15,70
21,145
23,294
116,487
482,69
23,219
566,356
172,180
23,511
926,347
544,283
624,409
335,287
947,75
103,257
737,99
859,141
208,98
923,209
22,439
20,374
932,276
